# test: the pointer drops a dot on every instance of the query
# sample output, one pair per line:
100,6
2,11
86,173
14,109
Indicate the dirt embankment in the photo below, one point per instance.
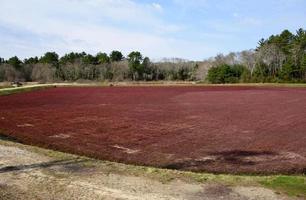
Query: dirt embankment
32,173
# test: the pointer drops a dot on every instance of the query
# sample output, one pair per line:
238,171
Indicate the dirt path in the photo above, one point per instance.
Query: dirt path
31,173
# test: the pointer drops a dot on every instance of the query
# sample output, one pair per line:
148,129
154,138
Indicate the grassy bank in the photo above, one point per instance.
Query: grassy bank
9,91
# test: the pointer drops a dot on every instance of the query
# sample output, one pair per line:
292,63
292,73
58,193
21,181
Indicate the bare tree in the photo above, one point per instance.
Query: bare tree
119,70
230,59
8,73
43,73
202,69
248,59
272,56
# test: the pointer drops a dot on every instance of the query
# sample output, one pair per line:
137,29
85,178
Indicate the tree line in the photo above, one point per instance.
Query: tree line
100,67
279,58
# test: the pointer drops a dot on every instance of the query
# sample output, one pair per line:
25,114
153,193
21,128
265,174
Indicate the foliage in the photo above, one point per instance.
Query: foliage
293,186
49,58
15,62
279,58
226,73
102,58
135,65
116,56
32,60
72,58
284,56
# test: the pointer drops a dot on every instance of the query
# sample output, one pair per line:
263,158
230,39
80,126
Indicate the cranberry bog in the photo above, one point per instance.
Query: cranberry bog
232,129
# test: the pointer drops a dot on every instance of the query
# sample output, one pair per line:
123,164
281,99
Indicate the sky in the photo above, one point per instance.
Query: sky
189,29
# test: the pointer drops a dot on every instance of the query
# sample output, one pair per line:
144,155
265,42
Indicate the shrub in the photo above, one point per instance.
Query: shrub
226,74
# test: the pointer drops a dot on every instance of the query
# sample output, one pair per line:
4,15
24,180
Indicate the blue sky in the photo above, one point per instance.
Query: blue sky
191,29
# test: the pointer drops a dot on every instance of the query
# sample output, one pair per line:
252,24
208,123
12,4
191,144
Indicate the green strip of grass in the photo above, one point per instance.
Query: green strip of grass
294,186
255,84
4,86
23,89
291,185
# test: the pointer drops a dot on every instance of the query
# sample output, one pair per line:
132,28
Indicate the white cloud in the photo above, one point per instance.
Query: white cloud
250,21
157,6
236,14
176,28
89,11
91,26
191,3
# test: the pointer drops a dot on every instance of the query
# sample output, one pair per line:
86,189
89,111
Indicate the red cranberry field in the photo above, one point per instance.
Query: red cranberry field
206,129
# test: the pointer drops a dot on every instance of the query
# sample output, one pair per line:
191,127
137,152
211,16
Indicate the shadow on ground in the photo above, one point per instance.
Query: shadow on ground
8,138
235,157
72,164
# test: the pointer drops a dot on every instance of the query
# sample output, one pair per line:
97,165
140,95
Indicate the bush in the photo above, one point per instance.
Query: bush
226,74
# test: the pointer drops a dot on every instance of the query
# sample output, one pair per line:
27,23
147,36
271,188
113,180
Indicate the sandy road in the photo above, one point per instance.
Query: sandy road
30,174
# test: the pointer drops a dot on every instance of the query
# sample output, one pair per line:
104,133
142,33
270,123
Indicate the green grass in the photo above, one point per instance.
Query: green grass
10,91
5,86
291,185
201,83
